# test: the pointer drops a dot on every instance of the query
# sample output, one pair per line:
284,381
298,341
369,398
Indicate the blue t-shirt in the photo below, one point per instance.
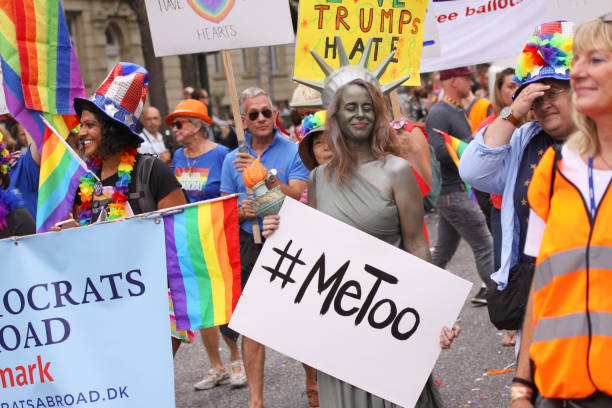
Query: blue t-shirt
281,154
24,178
200,176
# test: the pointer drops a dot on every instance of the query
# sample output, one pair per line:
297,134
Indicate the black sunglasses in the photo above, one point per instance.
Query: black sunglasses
179,123
255,114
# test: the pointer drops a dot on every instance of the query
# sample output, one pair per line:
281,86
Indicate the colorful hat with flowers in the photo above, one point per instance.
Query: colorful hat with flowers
312,125
121,97
547,54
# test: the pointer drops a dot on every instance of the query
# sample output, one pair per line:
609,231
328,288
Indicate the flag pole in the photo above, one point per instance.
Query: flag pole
72,152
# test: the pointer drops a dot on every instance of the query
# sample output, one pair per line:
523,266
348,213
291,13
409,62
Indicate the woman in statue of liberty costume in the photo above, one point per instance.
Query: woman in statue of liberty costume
369,187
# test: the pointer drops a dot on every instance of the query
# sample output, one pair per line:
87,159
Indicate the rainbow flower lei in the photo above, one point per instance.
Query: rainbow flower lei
86,187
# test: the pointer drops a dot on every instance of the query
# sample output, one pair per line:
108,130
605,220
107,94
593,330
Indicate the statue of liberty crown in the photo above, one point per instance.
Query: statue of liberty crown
347,72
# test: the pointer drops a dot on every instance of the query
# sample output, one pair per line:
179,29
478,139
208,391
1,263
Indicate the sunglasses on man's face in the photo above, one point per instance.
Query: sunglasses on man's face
178,124
253,115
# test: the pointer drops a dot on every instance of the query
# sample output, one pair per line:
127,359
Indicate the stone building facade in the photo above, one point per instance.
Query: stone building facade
106,31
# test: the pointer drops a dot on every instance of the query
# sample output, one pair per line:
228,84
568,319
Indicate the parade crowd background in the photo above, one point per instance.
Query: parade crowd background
512,159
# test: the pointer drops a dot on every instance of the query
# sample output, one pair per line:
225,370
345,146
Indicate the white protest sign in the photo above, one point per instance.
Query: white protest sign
473,32
431,38
84,318
349,304
577,11
190,26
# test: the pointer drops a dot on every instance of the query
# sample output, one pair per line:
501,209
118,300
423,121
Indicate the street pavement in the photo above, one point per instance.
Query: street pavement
461,371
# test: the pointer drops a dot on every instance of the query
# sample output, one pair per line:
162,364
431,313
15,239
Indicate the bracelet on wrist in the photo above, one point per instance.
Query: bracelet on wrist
524,382
520,391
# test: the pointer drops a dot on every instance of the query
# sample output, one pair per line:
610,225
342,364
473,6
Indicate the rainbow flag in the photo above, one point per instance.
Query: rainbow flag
455,148
59,180
203,262
41,74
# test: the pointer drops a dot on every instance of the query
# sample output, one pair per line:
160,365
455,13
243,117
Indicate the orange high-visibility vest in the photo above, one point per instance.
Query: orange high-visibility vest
478,113
572,344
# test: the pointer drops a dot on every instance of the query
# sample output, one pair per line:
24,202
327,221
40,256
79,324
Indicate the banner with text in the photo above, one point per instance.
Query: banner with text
359,306
190,26
392,24
84,318
473,32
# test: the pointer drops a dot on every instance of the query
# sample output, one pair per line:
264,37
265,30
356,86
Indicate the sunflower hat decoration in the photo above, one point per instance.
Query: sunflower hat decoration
547,54
4,156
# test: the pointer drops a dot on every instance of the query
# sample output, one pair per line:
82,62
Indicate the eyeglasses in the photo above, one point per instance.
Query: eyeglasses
253,115
178,124
549,95
606,18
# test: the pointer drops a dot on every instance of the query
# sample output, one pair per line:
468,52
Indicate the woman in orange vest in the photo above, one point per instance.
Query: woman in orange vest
567,334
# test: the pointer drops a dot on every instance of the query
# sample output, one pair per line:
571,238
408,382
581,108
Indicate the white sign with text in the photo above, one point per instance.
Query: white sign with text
349,304
191,26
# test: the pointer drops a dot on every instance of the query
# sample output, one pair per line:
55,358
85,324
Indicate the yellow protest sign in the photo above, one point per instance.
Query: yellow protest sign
392,25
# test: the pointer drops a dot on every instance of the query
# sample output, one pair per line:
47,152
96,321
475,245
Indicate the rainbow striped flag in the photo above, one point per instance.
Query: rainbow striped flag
203,262
41,74
60,174
455,148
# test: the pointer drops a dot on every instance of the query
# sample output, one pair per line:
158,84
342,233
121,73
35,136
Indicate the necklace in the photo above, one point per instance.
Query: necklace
453,102
88,187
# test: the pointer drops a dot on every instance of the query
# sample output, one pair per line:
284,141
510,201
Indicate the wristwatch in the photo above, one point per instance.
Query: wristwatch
506,114
271,179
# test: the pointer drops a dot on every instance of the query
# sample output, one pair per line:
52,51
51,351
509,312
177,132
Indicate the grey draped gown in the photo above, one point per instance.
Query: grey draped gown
366,208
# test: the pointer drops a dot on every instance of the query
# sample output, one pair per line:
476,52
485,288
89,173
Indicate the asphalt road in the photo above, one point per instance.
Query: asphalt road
461,371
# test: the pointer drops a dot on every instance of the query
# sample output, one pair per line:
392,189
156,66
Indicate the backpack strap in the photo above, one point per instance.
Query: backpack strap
142,193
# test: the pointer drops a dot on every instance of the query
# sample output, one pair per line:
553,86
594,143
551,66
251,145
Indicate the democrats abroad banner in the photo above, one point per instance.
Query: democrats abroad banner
393,25
84,318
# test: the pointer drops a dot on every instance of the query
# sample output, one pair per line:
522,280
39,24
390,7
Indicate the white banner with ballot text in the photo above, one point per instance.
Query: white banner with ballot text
349,304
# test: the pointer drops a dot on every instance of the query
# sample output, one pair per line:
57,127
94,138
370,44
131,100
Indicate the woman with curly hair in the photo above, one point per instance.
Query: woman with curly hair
126,183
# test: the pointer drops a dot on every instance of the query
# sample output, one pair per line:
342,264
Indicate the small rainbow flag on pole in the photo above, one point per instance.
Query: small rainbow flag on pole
455,148
60,172
203,262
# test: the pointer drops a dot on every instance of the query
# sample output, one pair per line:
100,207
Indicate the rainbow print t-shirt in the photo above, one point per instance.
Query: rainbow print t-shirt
200,176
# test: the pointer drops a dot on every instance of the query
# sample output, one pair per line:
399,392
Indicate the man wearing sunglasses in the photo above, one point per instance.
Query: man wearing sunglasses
280,156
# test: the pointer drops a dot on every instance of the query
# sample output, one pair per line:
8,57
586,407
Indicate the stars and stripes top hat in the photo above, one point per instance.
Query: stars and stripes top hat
547,54
121,97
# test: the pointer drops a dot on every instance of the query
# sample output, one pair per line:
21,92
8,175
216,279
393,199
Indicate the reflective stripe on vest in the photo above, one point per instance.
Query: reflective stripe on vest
566,262
574,325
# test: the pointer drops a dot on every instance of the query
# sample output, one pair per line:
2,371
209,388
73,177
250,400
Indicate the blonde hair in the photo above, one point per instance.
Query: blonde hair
594,33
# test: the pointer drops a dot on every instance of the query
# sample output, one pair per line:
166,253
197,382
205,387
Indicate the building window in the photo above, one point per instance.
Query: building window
273,59
246,66
217,63
112,48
